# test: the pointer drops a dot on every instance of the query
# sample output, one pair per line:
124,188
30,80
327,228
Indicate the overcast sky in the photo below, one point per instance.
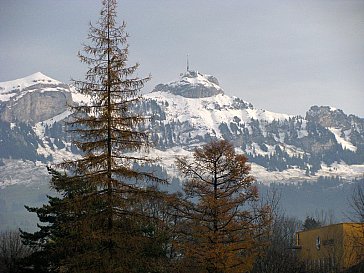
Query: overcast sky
283,56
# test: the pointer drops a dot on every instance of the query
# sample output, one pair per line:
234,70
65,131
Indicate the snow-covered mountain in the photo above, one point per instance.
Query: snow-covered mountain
326,142
34,99
32,110
186,113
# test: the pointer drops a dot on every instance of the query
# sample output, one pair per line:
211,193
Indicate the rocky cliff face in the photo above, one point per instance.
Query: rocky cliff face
327,116
33,99
36,106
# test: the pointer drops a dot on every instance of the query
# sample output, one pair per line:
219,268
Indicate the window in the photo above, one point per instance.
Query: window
318,243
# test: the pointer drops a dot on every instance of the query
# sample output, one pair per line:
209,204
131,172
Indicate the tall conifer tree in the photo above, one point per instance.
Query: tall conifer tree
106,129
106,132
103,221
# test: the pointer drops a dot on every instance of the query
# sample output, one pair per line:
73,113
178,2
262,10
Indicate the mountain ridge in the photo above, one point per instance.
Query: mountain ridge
186,114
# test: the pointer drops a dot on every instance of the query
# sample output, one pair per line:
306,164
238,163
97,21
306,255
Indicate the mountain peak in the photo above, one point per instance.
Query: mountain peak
19,84
39,76
35,78
192,84
32,99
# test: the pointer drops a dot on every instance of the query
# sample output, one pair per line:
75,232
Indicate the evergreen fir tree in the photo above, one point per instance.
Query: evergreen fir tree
63,220
102,223
311,223
108,136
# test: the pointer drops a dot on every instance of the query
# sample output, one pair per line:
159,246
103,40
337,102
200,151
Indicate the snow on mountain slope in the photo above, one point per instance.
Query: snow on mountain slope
13,88
49,148
261,174
195,78
342,139
208,113
188,113
36,98
281,147
205,111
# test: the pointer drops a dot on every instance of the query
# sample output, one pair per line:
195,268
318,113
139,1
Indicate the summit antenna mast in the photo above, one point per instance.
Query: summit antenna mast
188,63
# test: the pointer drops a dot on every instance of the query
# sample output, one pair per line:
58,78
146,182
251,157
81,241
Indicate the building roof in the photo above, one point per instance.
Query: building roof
322,227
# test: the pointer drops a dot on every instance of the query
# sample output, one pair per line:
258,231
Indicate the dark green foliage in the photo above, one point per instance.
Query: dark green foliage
311,223
61,219
70,236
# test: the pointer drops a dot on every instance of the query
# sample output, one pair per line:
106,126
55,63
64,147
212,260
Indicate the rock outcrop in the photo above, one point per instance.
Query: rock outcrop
36,106
33,99
327,116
